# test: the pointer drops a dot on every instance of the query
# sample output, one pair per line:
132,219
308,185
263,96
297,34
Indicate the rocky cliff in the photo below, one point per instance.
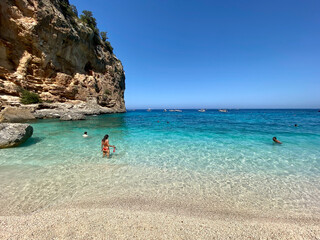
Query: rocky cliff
46,50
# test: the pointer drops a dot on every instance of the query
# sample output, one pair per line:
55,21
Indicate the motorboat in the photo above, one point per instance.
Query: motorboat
201,110
149,110
223,110
164,110
175,110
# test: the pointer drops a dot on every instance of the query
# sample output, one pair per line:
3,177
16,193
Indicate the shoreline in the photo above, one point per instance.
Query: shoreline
71,110
117,209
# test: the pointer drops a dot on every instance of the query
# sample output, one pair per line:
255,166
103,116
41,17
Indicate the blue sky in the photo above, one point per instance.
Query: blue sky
215,54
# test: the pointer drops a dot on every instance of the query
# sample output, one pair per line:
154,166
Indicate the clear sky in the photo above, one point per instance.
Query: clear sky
215,54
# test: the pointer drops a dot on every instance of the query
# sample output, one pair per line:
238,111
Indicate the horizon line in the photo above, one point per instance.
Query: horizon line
225,108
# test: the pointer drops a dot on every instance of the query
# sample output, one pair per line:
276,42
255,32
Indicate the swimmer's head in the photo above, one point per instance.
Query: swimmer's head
105,137
274,138
85,133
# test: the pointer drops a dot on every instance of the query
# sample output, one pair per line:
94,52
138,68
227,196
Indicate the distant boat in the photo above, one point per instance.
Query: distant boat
223,110
164,110
175,110
201,110
149,110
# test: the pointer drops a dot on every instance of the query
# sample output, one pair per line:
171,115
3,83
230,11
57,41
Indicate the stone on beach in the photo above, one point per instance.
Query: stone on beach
14,134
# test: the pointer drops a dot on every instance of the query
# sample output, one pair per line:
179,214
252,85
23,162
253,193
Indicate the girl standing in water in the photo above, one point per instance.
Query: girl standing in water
105,146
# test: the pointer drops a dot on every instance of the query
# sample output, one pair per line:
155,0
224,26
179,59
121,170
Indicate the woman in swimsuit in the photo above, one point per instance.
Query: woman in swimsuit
276,140
105,146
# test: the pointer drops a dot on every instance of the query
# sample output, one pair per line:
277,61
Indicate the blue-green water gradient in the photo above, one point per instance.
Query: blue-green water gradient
238,142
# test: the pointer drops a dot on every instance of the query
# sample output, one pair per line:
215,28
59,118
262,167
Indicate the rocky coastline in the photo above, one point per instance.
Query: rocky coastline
47,50
60,60
73,110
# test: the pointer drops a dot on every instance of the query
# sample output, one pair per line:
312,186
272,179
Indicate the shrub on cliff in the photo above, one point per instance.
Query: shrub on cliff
69,10
106,43
104,36
108,46
29,97
88,18
74,10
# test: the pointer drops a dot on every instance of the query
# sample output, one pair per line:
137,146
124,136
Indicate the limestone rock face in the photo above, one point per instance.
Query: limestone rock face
13,114
13,134
46,50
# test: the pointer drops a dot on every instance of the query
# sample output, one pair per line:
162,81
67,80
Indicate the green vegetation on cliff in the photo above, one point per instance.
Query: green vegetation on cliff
87,18
106,43
29,97
69,10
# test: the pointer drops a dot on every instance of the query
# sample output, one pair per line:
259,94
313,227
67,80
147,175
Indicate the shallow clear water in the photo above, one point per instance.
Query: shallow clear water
224,155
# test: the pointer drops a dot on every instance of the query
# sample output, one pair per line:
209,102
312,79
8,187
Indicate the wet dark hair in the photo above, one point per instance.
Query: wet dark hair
85,133
274,138
105,137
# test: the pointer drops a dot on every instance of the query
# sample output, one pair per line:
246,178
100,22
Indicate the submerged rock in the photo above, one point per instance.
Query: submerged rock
13,134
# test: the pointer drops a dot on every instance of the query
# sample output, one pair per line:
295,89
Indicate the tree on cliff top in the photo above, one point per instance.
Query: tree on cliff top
104,36
69,10
106,43
87,17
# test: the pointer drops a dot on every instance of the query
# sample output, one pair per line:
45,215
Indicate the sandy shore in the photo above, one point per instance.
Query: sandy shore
125,223
149,204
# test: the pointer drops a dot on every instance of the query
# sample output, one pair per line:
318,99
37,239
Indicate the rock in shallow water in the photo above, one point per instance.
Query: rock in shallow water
13,134
72,116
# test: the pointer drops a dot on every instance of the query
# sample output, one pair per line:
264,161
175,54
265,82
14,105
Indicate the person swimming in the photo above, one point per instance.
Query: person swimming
276,140
105,146
296,125
85,135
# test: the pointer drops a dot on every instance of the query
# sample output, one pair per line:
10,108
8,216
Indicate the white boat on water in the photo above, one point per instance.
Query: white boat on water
149,110
164,110
175,110
201,110
223,110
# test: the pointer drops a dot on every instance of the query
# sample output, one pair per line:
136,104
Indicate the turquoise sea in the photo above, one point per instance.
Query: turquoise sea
213,160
